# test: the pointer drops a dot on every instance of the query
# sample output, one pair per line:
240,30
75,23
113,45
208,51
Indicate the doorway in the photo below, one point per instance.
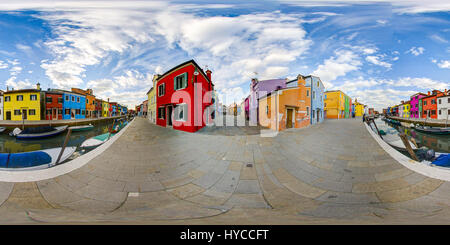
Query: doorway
289,118
54,114
8,115
72,114
169,115
318,114
24,114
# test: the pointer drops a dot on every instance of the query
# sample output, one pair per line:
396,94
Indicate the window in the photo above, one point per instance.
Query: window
60,111
307,93
49,111
440,113
314,94
424,102
181,112
433,112
325,104
33,97
32,112
7,98
307,110
87,101
67,112
440,101
60,100
67,97
78,99
267,110
77,111
48,99
325,96
433,102
180,81
83,112
161,113
73,98
19,97
161,90
17,113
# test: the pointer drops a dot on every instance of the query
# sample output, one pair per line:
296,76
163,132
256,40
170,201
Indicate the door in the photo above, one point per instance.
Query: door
317,115
169,115
24,114
8,115
72,113
289,118
54,114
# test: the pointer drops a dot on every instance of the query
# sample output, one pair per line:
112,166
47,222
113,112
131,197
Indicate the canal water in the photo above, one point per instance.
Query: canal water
439,143
9,144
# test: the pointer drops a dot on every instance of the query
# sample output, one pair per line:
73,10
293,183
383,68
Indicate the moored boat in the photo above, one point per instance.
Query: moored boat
41,159
97,140
433,130
2,129
37,132
81,128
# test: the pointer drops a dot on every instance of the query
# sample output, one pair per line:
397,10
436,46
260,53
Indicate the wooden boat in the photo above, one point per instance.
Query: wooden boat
433,130
41,158
38,132
397,143
82,128
2,129
97,140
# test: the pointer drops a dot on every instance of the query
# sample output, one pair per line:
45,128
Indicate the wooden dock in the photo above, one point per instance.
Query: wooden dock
422,121
71,122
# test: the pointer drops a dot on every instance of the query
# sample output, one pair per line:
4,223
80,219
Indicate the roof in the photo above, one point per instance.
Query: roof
22,91
183,64
150,90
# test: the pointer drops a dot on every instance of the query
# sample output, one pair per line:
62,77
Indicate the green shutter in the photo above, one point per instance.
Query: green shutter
185,80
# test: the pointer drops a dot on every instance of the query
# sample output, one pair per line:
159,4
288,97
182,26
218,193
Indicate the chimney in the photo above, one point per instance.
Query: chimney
108,100
208,74
7,88
38,86
403,102
429,93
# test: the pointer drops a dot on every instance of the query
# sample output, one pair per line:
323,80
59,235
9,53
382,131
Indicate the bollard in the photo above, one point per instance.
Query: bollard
408,146
112,127
66,140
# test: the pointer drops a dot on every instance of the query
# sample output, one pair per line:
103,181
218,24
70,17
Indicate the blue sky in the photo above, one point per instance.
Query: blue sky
380,52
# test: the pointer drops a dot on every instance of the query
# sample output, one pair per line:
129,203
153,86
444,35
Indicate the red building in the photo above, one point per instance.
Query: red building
184,97
429,104
97,108
53,105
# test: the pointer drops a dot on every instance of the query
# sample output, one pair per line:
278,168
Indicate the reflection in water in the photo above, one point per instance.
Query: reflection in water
439,143
10,144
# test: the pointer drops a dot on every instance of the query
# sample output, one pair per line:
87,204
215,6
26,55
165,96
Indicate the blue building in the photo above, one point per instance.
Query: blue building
74,105
317,97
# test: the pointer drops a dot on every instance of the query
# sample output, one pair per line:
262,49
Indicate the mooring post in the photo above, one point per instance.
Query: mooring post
66,140
408,146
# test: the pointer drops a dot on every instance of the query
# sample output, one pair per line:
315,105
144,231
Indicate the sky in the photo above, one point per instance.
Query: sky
378,52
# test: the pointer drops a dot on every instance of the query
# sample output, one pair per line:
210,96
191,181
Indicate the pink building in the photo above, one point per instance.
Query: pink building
415,111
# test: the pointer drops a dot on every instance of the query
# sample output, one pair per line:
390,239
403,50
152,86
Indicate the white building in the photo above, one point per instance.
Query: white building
443,107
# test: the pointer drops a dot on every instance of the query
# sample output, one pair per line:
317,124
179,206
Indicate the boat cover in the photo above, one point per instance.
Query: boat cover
443,160
25,159
37,130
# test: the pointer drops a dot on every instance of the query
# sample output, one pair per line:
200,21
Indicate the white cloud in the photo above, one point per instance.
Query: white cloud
418,82
416,50
3,65
439,38
376,61
444,64
23,47
15,70
12,83
343,62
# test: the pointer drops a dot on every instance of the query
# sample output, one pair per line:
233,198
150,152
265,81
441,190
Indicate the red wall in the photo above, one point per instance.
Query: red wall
180,97
52,105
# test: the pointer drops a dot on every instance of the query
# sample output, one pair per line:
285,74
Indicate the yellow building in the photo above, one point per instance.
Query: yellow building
24,104
152,101
406,109
105,109
335,104
359,109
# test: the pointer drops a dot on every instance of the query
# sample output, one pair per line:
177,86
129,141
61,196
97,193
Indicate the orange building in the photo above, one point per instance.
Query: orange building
286,108
90,101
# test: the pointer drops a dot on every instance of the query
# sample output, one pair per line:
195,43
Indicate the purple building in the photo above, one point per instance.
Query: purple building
259,89
415,107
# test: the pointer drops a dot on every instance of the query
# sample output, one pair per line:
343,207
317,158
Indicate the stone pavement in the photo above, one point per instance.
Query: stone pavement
331,173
